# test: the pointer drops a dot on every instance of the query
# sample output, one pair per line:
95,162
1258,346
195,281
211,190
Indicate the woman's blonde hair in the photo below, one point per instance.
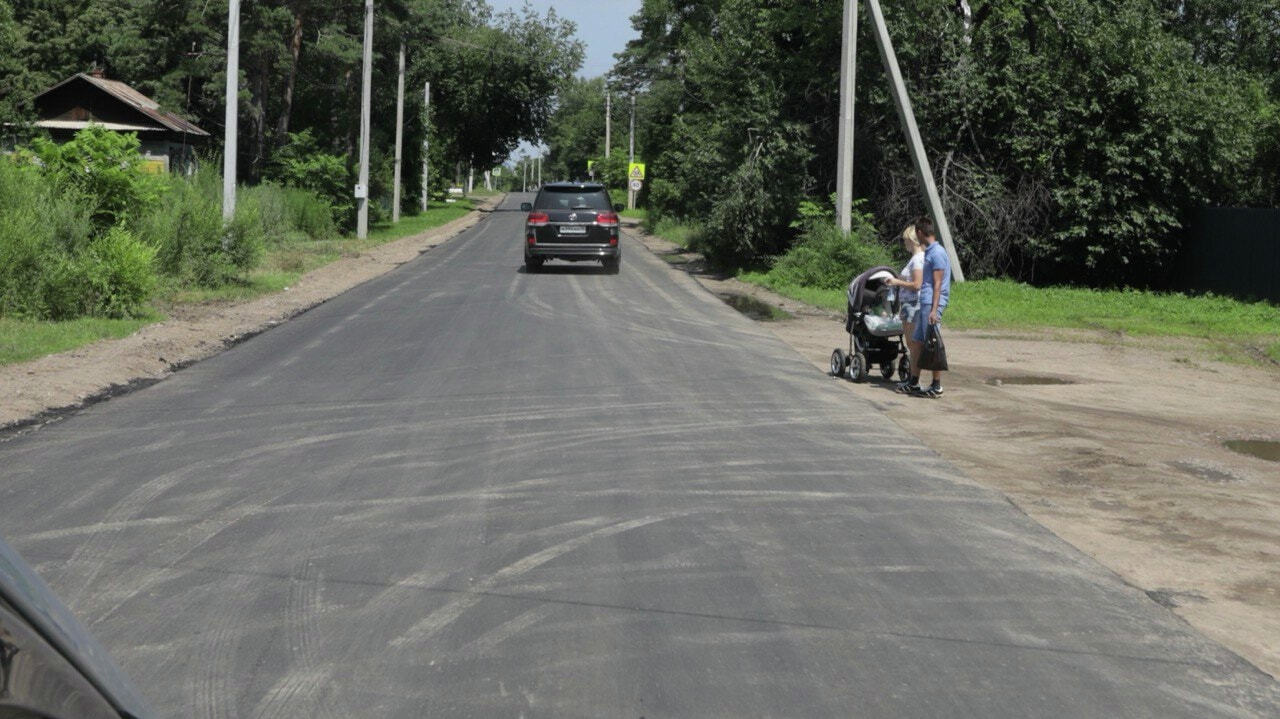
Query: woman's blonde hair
909,235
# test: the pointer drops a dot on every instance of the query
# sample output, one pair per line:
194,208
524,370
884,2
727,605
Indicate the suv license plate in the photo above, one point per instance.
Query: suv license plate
573,229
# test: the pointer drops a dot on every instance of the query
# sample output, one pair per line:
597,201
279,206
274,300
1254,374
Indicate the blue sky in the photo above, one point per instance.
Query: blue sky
604,25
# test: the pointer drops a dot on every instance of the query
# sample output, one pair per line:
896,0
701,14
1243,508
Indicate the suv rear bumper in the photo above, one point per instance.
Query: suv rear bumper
571,251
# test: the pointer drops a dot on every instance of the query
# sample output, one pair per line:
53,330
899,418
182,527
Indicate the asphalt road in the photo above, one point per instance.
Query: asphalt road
462,490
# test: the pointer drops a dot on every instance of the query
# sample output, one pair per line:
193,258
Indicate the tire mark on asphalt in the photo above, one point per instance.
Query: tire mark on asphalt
446,615
306,680
509,629
210,687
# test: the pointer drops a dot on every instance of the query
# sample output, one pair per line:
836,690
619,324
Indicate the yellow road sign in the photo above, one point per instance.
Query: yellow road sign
636,171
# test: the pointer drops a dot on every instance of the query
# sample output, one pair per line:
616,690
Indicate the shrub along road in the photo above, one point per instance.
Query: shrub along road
464,490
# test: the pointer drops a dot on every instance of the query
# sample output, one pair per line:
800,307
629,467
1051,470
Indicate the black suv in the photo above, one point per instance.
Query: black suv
571,221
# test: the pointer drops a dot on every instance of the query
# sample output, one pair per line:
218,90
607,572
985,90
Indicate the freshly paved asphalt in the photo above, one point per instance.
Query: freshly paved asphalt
462,490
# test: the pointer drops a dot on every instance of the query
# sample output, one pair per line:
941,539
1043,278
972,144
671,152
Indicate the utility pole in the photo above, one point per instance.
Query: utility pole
608,112
362,189
395,193
844,166
539,170
631,153
233,113
908,119
426,143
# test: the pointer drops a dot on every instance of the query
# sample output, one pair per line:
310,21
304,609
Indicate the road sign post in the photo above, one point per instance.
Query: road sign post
635,174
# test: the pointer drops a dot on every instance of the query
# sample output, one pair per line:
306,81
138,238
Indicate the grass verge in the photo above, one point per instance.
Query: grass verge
21,340
1241,329
675,232
282,265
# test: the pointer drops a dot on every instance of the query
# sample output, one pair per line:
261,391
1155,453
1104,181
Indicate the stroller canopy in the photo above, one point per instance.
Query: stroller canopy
860,294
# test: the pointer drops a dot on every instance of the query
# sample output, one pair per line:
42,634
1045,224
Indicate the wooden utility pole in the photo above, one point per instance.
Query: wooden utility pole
395,192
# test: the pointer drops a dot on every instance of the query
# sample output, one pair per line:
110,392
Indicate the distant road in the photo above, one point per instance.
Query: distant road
462,490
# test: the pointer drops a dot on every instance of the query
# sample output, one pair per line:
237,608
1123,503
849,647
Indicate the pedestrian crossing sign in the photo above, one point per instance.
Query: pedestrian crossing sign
636,171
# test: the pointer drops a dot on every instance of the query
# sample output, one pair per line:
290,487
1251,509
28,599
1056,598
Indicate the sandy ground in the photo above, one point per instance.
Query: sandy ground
44,389
1125,459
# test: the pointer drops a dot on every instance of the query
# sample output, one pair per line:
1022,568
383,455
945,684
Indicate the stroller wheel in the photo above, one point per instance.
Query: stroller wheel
858,368
886,370
904,368
838,362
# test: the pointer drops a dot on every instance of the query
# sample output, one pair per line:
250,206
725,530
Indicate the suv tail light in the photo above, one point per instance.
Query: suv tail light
607,218
538,219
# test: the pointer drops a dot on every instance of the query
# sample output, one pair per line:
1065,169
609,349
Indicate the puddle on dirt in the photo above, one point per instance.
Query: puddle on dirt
754,308
1205,472
1026,379
1260,448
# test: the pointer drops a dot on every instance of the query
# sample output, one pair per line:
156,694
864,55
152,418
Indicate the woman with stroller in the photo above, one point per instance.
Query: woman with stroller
909,280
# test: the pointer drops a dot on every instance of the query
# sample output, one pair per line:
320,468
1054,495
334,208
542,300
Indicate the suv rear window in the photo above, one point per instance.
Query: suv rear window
571,198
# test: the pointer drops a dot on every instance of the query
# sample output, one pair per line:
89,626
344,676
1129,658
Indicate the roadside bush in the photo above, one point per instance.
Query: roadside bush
825,257
268,201
121,274
113,277
51,264
309,213
302,164
104,168
24,253
246,235
185,229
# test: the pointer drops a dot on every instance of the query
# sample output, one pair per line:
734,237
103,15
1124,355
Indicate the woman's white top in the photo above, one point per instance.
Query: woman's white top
906,294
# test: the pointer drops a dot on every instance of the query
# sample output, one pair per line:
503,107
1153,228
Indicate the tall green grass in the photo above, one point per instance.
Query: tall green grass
673,230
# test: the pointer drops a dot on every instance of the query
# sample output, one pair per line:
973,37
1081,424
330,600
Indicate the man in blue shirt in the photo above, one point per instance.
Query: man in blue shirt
934,293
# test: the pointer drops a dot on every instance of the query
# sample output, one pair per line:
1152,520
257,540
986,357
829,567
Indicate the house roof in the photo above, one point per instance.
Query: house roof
131,97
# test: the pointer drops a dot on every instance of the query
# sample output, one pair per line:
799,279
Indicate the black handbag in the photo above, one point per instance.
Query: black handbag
934,355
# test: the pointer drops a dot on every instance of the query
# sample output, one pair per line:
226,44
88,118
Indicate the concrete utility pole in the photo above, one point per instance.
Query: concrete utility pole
539,170
395,193
362,189
229,149
426,143
608,113
844,165
631,153
908,119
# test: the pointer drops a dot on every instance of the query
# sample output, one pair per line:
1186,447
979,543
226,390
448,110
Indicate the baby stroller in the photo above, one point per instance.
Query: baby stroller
875,331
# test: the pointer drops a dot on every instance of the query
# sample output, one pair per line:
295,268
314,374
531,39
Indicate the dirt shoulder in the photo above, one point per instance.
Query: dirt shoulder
38,391
1123,459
